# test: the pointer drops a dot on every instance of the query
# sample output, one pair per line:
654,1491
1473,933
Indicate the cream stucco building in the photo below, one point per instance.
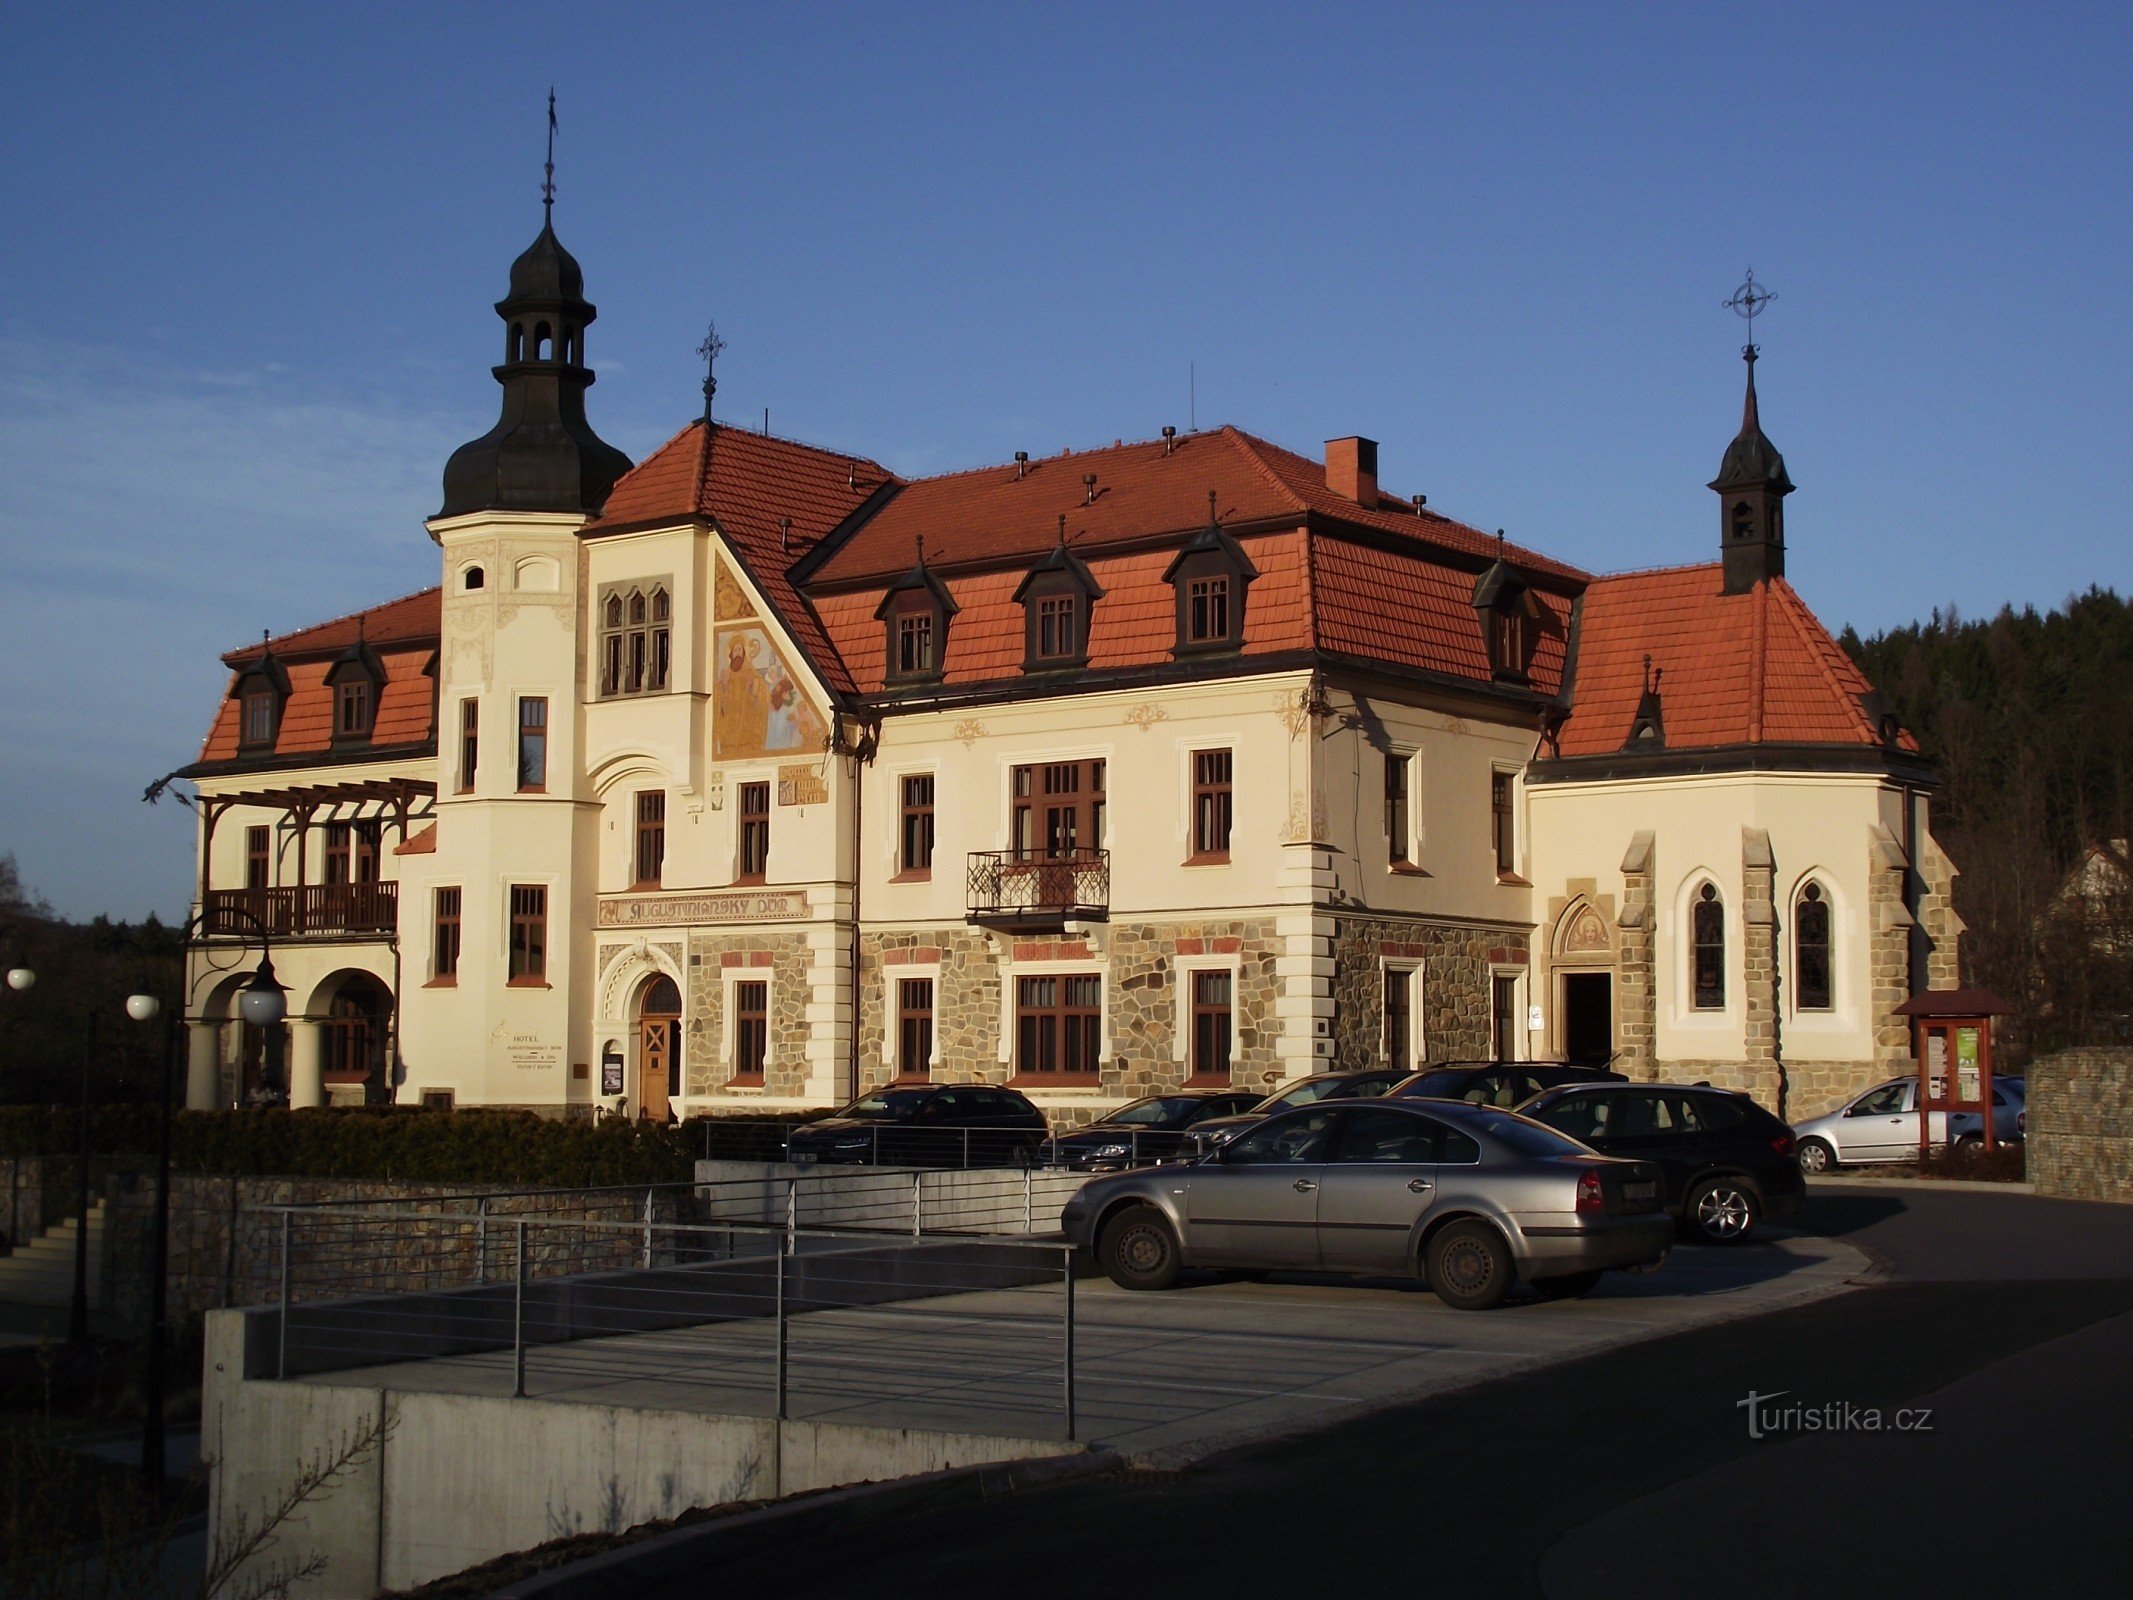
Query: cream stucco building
754,775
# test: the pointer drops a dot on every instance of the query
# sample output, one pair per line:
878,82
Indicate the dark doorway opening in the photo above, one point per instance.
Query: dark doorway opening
1588,1018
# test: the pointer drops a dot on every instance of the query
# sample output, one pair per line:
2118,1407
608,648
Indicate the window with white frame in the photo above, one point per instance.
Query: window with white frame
1401,1039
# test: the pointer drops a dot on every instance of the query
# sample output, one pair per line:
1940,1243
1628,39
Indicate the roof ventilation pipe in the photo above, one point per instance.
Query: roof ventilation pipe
1021,465
1170,440
1088,482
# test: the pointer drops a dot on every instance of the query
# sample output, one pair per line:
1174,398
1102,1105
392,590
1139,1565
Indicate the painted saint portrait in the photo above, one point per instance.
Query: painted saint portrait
758,706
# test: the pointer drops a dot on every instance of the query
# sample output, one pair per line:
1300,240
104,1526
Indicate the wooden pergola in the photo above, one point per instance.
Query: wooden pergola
395,798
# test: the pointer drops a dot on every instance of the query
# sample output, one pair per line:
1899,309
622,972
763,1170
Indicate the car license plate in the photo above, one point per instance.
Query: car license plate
1640,1191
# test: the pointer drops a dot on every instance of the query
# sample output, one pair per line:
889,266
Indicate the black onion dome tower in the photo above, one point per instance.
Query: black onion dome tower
1751,487
542,455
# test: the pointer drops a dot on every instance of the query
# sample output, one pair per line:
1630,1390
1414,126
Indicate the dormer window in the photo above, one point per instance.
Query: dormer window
636,638
1504,604
1057,597
1509,628
355,679
352,709
261,690
258,724
1209,578
914,614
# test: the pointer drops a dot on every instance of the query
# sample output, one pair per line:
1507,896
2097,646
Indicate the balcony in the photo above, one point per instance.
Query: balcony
317,911
1036,893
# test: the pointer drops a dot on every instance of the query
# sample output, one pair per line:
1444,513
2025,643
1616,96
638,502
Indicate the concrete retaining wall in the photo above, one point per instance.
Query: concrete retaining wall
1007,1200
2079,1142
460,1479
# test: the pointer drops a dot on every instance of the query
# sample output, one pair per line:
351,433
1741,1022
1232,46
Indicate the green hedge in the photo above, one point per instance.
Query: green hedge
504,1148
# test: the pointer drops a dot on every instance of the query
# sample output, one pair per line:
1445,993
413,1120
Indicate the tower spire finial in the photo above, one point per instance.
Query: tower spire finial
1748,302
548,170
711,349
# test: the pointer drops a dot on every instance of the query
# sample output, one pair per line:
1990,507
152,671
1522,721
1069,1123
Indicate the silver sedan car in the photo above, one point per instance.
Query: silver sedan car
1469,1198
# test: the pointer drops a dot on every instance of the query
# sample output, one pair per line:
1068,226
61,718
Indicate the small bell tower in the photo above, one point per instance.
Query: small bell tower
1751,484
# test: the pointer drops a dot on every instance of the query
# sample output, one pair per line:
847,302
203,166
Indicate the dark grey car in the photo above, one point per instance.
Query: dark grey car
1466,1197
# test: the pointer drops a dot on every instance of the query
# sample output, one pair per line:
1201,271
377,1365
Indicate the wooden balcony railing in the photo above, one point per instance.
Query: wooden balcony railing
1015,889
323,910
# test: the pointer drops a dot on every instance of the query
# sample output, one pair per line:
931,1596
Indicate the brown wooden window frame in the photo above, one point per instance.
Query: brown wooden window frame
259,717
749,1007
915,1000
1396,1039
649,855
532,744
1059,1026
258,857
1813,949
914,854
1399,809
1040,788
355,706
469,742
1207,609
636,638
1213,805
1707,948
915,644
752,808
1212,1003
1058,628
353,850
1503,822
445,928
526,959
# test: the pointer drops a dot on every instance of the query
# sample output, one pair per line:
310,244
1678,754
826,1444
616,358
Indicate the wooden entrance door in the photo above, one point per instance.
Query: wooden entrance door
658,1050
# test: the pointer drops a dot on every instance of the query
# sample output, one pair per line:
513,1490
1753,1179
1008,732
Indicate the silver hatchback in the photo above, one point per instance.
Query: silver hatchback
1469,1198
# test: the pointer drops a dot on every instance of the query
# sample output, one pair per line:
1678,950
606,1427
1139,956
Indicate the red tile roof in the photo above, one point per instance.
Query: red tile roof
746,482
1143,490
413,618
402,718
1754,668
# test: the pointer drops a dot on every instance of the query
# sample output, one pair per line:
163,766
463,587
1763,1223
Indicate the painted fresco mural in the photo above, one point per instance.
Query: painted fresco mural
758,705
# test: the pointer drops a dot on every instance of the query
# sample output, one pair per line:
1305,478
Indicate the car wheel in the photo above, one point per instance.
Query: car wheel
1722,1210
1470,1266
1569,1286
1139,1251
1970,1141
1816,1156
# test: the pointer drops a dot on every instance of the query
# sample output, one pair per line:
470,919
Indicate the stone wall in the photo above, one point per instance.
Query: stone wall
1456,962
2080,1130
784,958
1636,966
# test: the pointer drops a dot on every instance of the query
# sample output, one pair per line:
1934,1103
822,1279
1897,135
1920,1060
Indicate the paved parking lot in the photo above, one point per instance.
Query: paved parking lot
1169,1377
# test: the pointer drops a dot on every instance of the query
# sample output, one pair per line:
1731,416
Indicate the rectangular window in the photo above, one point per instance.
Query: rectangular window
914,644
1210,805
437,1099
1399,846
917,851
258,857
751,1030
352,708
1058,1024
1501,824
366,843
337,840
529,933
469,742
914,1027
259,717
1503,1013
1058,627
755,831
1399,1023
533,743
1207,610
444,936
651,836
1211,1025
1059,809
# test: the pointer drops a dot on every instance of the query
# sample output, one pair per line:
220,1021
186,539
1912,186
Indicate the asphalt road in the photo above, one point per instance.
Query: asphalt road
2009,1319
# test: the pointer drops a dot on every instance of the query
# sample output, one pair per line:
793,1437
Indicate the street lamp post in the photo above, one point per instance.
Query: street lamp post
78,1313
19,978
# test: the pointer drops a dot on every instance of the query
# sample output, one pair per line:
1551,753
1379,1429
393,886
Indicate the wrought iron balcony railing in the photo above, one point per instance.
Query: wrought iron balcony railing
1011,888
321,910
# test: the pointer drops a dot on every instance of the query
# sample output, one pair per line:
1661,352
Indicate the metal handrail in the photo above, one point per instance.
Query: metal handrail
1028,882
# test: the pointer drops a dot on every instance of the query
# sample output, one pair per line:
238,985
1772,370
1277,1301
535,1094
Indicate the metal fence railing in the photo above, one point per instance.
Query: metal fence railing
727,1315
899,1144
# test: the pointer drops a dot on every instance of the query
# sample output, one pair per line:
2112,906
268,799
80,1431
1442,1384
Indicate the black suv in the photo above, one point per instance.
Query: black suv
1725,1162
1218,1131
1149,1130
925,1125
1503,1084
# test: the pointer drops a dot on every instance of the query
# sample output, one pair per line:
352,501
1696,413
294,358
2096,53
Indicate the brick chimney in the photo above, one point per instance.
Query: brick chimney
1352,469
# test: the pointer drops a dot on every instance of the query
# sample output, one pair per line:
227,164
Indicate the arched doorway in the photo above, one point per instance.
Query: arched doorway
354,1047
1585,986
658,1048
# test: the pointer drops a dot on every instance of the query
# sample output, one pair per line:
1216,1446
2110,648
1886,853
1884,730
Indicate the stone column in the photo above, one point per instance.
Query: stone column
1636,967
307,1063
1765,1070
203,1066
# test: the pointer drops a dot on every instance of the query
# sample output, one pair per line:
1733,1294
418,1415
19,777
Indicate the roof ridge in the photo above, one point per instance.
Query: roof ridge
1805,627
1250,444
1658,572
1060,455
346,616
785,438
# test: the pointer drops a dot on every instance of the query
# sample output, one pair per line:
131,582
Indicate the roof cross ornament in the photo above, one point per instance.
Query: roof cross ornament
711,349
548,171
1747,303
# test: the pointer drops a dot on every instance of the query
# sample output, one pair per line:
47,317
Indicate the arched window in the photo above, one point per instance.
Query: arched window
1810,948
611,645
475,578
636,640
662,650
1708,929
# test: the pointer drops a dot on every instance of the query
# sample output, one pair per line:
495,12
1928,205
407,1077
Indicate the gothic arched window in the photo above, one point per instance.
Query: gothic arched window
1810,948
1708,934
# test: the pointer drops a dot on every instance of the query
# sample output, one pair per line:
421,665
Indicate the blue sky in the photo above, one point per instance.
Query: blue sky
251,252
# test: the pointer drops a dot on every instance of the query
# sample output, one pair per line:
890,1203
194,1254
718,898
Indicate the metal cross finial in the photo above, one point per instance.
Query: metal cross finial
711,349
548,171
921,550
1748,302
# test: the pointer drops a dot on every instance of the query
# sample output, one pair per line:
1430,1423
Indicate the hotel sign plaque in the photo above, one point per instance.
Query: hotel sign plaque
678,910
